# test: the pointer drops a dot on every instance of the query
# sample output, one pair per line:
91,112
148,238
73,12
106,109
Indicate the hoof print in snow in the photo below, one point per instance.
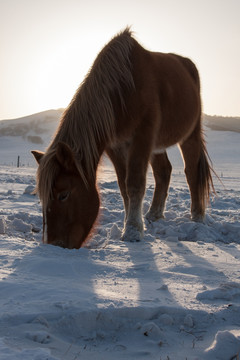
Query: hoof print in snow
41,337
166,319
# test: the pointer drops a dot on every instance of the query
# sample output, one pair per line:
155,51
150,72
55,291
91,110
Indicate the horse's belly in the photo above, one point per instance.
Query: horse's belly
158,151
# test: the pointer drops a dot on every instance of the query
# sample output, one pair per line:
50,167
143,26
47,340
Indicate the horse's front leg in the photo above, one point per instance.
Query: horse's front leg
118,156
137,164
134,229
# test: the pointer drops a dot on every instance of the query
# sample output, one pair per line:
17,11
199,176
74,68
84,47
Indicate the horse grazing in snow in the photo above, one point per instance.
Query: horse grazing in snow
133,105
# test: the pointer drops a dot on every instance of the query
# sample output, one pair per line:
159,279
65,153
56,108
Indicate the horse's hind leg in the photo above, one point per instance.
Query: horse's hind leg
162,169
198,172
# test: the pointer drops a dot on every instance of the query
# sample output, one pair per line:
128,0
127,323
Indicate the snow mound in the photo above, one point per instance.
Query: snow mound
225,346
226,291
21,226
29,190
7,353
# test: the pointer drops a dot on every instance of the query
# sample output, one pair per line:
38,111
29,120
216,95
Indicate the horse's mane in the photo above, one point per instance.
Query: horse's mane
90,116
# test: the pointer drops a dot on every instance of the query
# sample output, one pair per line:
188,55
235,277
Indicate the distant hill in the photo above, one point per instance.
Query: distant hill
222,123
19,136
37,128
33,128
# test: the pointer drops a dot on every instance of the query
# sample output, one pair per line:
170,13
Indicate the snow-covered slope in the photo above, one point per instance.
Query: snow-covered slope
175,295
18,137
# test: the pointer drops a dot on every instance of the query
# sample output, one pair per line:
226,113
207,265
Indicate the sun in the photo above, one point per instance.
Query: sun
60,73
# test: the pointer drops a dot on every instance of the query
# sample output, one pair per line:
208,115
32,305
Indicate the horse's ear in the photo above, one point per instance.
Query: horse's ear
38,155
65,156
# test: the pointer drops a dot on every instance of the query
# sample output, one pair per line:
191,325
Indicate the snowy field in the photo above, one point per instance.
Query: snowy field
173,296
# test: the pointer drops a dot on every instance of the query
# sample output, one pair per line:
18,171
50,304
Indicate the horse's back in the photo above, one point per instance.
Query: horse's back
168,87
176,79
190,68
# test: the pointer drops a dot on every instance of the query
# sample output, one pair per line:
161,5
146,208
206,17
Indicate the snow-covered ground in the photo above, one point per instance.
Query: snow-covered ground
173,296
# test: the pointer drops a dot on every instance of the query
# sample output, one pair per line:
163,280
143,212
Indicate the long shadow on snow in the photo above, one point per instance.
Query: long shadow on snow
152,289
204,272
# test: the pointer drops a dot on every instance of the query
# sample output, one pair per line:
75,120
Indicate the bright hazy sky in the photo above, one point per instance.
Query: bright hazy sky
47,46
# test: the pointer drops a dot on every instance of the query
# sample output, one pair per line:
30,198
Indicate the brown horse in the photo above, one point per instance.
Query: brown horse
133,104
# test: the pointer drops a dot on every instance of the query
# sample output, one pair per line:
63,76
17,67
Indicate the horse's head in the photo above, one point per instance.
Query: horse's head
71,208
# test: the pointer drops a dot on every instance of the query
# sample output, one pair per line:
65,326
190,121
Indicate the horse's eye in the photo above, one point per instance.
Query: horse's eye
63,196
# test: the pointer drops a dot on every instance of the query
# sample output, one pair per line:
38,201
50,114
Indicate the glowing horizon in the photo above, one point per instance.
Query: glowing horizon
47,47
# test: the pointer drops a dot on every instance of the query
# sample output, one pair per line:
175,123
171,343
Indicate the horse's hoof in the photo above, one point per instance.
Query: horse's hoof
197,218
131,234
152,217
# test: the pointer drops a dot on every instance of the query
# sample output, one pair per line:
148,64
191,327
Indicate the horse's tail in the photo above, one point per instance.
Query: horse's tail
205,171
